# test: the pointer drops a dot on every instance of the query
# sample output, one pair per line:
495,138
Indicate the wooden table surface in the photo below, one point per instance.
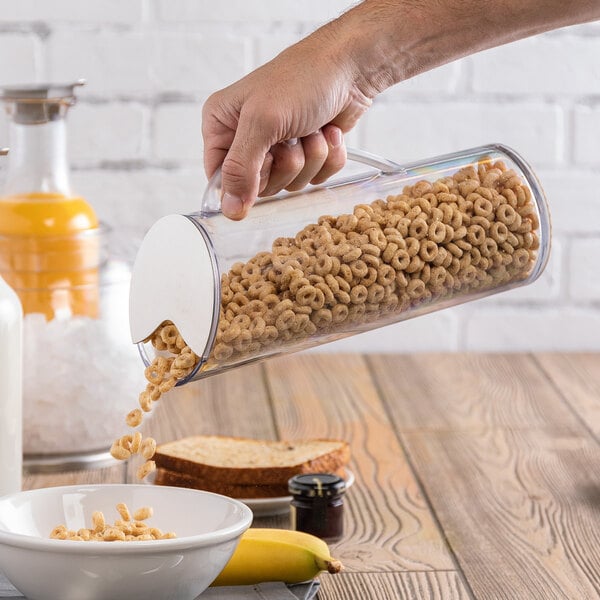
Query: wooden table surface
477,476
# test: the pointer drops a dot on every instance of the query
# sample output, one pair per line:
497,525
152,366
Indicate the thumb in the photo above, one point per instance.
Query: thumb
241,169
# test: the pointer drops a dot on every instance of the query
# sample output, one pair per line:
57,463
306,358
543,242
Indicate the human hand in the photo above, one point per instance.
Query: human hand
282,126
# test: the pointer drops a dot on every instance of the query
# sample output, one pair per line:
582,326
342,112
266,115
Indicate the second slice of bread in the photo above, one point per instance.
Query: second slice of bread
244,461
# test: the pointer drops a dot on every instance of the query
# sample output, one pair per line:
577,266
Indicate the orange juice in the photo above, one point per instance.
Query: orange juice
49,253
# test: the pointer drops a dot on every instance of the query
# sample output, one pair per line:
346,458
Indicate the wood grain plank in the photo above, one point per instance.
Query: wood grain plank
114,474
466,391
388,526
424,585
577,377
235,403
520,509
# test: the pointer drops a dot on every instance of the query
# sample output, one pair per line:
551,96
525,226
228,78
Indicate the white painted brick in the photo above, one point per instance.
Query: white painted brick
587,135
434,332
566,329
194,63
242,11
178,132
101,11
131,201
443,79
106,132
412,131
584,272
113,63
21,59
565,65
574,200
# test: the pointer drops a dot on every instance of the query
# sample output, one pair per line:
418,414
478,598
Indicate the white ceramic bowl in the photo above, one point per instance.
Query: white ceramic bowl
208,527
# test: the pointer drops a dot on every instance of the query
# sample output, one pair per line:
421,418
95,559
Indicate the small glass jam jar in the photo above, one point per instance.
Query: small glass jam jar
317,505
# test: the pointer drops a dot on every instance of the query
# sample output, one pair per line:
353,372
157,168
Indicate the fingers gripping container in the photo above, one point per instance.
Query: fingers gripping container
331,261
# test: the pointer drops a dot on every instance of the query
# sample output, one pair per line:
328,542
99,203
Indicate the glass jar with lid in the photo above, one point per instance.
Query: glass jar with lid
338,259
57,256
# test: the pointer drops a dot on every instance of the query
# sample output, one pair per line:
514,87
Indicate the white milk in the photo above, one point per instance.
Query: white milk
11,449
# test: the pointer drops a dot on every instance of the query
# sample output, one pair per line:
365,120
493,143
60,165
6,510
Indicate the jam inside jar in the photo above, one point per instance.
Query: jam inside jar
317,505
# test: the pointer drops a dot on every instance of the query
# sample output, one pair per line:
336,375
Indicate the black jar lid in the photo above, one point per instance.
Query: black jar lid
316,485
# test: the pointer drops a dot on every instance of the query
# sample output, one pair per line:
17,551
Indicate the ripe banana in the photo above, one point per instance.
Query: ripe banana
277,555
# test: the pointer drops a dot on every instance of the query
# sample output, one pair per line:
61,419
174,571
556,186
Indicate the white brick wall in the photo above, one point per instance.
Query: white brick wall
136,146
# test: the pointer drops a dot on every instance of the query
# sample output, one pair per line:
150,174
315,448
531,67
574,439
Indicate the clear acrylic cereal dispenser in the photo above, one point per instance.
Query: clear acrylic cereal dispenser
333,260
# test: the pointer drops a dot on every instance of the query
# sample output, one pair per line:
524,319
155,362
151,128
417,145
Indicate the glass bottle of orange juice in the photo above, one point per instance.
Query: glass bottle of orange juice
49,242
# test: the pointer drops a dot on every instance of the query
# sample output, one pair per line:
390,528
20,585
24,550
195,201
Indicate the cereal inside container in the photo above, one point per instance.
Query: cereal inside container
311,267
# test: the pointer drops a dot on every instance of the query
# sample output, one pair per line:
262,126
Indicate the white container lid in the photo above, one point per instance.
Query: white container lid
175,278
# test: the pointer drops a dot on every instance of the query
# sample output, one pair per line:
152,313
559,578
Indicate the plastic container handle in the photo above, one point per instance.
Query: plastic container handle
212,194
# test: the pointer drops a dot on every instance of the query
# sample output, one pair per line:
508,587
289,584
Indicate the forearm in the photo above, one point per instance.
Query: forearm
384,42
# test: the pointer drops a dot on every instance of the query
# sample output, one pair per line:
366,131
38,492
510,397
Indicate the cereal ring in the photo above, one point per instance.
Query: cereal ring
389,251
136,442
118,452
499,232
145,401
476,234
415,265
359,294
377,238
134,417
98,521
342,297
323,265
306,295
339,313
436,232
167,385
416,289
300,323
242,342
412,246
231,333
428,250
418,229
148,448
454,249
400,260
346,223
359,268
346,273
370,277
152,374
468,275
370,249
327,293
153,391
169,334
144,470
375,294
521,258
386,275
321,318
285,320
158,342
186,360
488,248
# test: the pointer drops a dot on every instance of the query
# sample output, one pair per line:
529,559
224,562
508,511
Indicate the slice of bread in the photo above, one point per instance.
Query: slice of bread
252,491
166,477
243,461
